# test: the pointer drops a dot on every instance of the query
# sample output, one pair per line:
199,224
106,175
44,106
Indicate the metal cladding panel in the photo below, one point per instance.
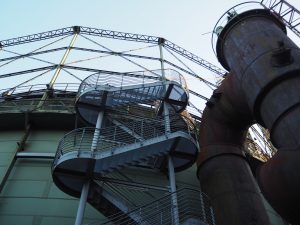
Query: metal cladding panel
26,188
186,178
43,140
17,219
8,147
29,196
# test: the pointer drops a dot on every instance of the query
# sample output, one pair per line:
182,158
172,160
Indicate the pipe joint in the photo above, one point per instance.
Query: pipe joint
212,151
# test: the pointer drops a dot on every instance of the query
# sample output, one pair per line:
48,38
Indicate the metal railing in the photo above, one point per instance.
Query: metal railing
28,98
229,15
170,74
193,208
128,79
64,105
130,191
113,137
37,89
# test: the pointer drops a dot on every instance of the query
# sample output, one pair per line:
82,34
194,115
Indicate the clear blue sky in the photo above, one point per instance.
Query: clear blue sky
181,21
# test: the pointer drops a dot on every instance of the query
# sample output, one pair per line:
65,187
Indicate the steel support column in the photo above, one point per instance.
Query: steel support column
82,203
97,131
172,180
172,183
166,109
85,188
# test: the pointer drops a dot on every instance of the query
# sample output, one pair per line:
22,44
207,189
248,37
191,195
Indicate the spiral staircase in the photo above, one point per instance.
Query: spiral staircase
129,127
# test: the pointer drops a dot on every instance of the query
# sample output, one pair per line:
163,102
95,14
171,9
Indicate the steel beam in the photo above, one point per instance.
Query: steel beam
37,37
196,59
286,12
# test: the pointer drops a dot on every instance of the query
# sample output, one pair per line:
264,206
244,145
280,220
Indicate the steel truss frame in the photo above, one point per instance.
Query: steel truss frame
286,12
114,35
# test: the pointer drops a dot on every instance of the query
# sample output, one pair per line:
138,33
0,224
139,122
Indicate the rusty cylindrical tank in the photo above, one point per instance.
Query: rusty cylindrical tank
265,68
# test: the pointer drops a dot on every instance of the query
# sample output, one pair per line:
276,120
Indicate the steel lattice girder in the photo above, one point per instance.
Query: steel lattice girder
115,35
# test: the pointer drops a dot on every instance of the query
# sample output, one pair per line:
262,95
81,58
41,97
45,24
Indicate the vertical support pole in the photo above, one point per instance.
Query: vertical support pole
85,188
82,203
97,131
172,181
166,109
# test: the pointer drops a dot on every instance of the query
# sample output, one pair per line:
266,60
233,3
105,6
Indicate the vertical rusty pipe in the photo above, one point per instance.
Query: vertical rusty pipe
265,67
223,170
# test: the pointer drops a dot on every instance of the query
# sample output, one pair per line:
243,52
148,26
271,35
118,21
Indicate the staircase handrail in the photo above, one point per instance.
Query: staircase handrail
81,139
25,90
165,203
128,79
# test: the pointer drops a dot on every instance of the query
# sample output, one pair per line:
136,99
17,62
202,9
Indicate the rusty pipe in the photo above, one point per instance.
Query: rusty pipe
263,86
223,170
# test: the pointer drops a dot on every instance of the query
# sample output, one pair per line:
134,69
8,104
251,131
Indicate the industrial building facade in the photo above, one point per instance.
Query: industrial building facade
104,146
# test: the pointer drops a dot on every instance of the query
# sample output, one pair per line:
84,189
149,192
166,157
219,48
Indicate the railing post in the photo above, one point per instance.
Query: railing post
115,132
140,215
142,129
143,79
83,133
97,131
97,81
203,208
122,81
212,216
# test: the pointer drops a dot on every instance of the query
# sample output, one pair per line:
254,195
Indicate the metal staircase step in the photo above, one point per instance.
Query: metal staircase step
136,95
132,156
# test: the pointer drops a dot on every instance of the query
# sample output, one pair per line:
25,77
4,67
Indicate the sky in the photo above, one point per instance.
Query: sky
187,23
